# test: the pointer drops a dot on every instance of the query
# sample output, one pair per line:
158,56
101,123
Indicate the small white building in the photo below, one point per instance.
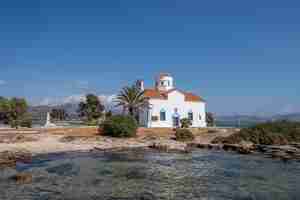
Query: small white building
168,105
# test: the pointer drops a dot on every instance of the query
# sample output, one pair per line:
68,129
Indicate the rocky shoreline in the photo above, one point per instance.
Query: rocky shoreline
21,147
9,159
284,152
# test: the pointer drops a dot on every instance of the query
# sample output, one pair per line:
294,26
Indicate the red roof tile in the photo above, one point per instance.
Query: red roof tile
192,97
156,94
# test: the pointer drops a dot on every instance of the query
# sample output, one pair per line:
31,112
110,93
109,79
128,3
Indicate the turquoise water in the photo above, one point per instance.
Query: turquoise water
147,175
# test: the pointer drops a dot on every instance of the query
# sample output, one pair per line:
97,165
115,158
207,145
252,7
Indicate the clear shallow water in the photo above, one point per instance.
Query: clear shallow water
147,175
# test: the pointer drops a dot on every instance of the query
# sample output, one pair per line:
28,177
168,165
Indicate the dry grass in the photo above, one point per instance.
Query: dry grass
158,132
204,135
79,131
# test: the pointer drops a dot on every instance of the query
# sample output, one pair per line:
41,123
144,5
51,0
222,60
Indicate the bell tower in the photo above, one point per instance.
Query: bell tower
164,82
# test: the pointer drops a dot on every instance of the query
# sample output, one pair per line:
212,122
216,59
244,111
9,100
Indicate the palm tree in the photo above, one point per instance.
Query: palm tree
131,98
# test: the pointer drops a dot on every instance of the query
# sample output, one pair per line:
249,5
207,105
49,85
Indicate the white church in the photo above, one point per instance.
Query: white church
168,105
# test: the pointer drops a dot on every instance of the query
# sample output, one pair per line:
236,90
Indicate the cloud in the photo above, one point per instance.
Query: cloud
3,82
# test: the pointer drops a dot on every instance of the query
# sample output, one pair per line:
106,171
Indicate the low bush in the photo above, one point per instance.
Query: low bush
185,123
184,135
93,122
271,133
26,123
119,126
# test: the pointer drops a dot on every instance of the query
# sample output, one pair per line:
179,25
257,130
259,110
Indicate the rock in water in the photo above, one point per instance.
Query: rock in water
10,158
245,147
244,150
22,178
7,159
160,147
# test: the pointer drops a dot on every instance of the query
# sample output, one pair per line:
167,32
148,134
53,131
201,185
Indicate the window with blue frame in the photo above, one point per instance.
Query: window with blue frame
163,115
191,116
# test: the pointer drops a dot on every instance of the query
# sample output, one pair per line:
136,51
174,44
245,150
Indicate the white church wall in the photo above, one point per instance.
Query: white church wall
176,100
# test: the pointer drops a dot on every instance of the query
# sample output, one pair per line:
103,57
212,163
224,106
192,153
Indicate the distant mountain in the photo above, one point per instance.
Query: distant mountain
70,101
290,117
251,120
241,117
69,104
257,119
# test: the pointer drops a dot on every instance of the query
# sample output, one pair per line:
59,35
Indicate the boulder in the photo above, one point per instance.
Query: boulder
159,147
245,147
67,139
230,147
7,159
10,158
244,150
22,178
208,146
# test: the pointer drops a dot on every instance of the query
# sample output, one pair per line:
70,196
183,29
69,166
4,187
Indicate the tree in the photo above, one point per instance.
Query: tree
91,109
18,108
210,120
4,110
14,112
131,98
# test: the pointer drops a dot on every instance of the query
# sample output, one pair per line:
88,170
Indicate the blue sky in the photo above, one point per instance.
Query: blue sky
241,56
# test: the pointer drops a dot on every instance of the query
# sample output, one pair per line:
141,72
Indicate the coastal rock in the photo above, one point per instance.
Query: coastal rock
170,146
18,138
244,150
284,152
159,147
206,146
10,158
7,159
281,155
230,147
67,139
296,145
245,147
22,178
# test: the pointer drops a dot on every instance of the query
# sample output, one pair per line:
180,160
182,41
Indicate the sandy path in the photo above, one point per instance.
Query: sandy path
51,143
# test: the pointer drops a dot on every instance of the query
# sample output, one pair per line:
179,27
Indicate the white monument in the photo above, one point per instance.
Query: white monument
48,122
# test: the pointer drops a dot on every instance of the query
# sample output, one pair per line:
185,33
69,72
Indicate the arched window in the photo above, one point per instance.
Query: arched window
163,115
191,115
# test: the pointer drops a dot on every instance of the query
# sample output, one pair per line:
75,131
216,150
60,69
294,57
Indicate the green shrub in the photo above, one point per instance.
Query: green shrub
271,133
14,123
184,135
92,122
119,126
185,123
27,122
